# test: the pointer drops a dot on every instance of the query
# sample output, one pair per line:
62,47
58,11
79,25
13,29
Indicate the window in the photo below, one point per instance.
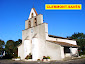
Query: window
32,15
35,18
66,50
29,24
35,22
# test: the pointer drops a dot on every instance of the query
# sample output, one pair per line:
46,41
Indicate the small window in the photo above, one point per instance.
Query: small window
32,15
35,18
35,22
29,24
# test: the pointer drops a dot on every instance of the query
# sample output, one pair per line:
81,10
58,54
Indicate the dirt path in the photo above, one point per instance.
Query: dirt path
76,61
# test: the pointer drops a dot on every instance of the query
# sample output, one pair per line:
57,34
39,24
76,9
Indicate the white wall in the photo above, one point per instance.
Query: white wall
39,19
26,24
27,47
74,51
53,50
51,39
35,49
67,41
62,52
62,40
20,51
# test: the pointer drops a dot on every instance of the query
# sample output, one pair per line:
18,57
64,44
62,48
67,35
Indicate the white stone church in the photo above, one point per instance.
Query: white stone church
37,41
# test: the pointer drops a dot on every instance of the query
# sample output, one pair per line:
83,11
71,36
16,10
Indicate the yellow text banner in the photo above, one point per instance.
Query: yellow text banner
63,6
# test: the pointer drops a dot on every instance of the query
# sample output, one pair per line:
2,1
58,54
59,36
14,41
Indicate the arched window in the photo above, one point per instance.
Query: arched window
29,24
32,15
35,22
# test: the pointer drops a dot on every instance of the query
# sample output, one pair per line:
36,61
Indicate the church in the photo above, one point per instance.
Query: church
37,41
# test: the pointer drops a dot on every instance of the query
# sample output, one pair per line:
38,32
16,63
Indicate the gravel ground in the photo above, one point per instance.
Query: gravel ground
76,61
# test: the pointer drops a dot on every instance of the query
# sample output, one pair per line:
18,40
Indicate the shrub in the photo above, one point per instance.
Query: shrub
29,56
48,57
44,57
19,57
38,59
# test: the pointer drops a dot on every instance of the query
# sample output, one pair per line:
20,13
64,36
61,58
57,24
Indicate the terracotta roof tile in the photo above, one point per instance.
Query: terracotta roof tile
60,37
35,11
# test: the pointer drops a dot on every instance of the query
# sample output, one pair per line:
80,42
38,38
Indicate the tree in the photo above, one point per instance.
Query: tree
11,48
80,38
2,44
18,42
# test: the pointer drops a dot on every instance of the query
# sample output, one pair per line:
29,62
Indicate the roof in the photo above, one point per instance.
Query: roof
35,11
60,37
62,43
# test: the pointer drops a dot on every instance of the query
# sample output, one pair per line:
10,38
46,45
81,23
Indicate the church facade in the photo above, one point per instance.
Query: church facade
37,41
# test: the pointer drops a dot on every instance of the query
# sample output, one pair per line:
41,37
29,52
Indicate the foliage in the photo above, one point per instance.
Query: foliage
29,56
44,57
48,57
2,44
80,38
11,48
19,57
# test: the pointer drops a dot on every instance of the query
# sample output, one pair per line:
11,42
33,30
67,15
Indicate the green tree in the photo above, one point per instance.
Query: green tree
80,38
11,48
2,44
18,42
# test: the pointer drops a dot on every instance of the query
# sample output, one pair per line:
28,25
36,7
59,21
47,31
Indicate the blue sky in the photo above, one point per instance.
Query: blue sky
13,14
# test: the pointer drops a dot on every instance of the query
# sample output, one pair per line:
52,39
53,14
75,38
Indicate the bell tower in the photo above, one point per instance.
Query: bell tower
34,19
